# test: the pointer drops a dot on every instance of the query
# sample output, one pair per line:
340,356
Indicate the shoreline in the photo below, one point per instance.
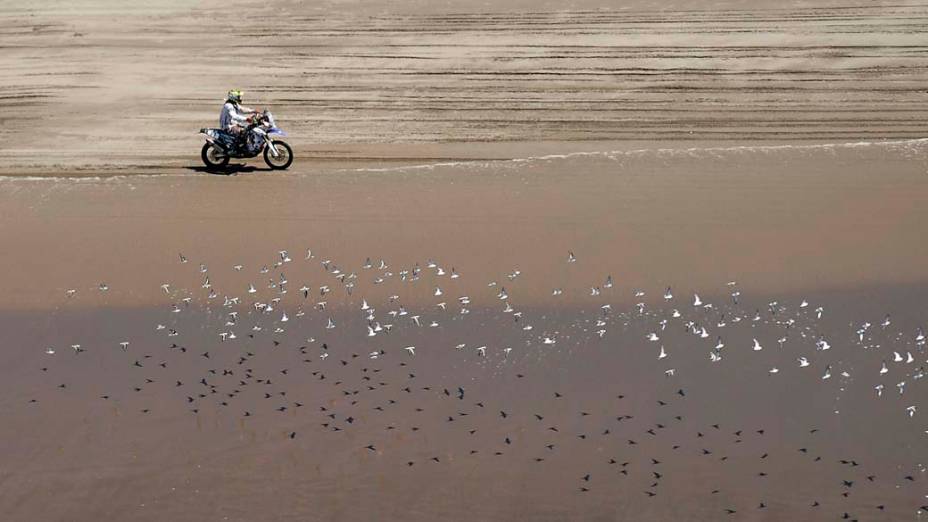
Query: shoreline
357,158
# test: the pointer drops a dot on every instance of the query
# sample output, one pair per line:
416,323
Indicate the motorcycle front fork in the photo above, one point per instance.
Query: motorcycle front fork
267,140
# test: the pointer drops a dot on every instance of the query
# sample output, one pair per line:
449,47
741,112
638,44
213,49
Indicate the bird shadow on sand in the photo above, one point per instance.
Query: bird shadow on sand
228,170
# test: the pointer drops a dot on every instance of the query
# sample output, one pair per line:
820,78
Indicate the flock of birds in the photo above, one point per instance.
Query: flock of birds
366,351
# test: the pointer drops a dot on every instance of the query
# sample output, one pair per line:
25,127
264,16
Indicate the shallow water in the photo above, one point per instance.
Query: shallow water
171,448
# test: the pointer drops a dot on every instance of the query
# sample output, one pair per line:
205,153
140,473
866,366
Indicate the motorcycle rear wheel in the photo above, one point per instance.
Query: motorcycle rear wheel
213,156
283,160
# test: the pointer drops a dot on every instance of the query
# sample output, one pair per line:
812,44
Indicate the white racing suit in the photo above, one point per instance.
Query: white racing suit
232,118
232,114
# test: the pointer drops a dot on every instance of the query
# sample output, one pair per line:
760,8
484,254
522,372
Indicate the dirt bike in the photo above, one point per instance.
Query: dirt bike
259,136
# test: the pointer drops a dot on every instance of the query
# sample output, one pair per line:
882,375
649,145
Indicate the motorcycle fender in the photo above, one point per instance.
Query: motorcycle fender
210,136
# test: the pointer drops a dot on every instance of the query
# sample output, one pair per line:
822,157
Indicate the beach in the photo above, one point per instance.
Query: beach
532,262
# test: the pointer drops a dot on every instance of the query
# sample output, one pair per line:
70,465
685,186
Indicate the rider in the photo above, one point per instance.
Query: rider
233,114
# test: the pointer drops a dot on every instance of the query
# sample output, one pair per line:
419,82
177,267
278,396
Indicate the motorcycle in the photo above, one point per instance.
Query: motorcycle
259,136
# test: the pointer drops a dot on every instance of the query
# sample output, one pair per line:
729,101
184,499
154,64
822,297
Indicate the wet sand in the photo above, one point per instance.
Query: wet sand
785,218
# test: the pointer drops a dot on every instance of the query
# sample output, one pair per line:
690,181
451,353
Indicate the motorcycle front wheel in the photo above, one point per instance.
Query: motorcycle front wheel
213,156
284,156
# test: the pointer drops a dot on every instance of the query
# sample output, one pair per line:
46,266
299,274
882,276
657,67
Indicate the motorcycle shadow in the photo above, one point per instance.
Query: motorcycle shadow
228,170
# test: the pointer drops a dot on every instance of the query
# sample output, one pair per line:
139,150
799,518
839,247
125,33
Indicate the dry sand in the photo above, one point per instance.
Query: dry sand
99,87
682,146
